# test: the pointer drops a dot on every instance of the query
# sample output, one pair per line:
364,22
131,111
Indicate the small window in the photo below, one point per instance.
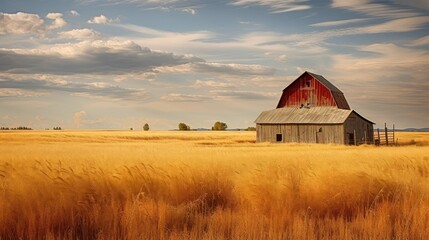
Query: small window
307,84
279,137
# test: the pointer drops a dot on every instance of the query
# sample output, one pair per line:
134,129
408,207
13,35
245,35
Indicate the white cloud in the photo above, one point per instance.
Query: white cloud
80,34
338,22
20,23
191,11
74,13
57,20
101,20
276,6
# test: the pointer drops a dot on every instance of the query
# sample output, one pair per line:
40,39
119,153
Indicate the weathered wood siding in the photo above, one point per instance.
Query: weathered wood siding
301,133
363,129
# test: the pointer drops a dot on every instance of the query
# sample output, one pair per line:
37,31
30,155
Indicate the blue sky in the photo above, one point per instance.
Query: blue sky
93,64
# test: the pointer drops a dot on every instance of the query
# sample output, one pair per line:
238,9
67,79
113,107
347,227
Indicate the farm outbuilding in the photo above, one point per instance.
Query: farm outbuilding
313,110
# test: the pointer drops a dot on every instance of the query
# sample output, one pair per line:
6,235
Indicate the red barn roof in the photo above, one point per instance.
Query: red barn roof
312,90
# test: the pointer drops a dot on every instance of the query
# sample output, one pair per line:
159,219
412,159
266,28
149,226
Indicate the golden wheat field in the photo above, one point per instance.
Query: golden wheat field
208,185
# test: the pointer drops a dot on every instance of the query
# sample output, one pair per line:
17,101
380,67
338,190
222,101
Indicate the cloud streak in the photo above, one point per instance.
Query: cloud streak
367,7
338,22
44,85
276,6
99,56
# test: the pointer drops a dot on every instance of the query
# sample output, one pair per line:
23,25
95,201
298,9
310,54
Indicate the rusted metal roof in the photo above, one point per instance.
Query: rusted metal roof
325,82
313,115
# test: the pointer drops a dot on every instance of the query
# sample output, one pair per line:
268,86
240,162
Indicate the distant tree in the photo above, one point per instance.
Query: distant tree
146,127
250,129
219,126
184,127
56,128
131,129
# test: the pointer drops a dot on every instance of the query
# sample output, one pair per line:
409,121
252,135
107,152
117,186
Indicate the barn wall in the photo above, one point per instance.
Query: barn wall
304,133
316,95
360,126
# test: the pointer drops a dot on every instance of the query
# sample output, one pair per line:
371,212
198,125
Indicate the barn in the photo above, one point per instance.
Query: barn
313,110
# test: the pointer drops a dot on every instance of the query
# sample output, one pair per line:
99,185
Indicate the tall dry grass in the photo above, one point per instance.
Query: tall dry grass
174,185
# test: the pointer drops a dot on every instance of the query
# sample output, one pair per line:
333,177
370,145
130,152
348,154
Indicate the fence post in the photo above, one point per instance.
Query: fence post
394,134
386,135
378,135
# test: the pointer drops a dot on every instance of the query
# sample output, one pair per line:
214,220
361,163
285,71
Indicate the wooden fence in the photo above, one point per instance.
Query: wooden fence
386,137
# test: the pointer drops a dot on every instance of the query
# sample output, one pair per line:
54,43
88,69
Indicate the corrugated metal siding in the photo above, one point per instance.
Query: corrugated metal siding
315,115
301,133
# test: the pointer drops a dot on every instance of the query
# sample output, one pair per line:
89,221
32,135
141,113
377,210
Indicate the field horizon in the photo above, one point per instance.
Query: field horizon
109,184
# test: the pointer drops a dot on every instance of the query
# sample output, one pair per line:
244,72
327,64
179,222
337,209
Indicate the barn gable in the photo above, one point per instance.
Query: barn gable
312,90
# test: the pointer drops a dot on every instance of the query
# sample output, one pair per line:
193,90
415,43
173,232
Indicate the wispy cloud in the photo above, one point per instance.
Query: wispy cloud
218,68
369,8
79,119
276,6
16,92
80,34
74,13
188,10
98,56
423,41
246,95
43,85
211,84
178,97
387,59
338,22
422,4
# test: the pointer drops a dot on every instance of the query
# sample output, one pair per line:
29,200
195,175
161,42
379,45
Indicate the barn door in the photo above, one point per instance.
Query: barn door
351,138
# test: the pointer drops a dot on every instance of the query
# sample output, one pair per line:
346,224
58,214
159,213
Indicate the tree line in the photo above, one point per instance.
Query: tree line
17,128
217,126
